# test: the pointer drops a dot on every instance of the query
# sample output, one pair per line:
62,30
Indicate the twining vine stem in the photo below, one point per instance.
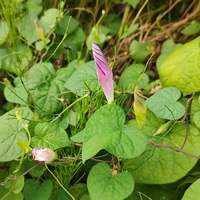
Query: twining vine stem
173,148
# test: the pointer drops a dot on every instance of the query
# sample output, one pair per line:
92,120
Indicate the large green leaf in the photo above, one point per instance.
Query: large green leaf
34,191
16,93
45,85
11,132
102,185
167,47
192,193
164,104
84,77
181,69
106,130
164,165
67,25
50,135
27,29
10,60
49,19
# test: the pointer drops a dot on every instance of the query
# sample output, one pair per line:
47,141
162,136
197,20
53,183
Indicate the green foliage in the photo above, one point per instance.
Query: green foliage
49,84
164,104
103,185
68,23
132,76
16,93
106,131
26,27
130,31
18,185
144,145
32,190
12,132
181,68
84,78
139,52
193,191
50,135
133,2
167,47
9,60
148,168
4,31
191,29
113,22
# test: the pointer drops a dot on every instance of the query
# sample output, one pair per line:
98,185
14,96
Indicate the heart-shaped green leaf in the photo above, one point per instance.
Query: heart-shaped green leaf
33,6
102,185
34,191
50,135
11,131
133,75
106,130
45,85
139,52
193,191
83,78
68,23
181,69
158,165
164,104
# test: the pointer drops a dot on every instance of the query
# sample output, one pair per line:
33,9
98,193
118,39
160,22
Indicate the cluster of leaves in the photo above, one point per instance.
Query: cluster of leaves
145,145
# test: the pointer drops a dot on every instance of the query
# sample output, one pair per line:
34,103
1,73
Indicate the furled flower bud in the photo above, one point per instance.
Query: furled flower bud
104,73
44,155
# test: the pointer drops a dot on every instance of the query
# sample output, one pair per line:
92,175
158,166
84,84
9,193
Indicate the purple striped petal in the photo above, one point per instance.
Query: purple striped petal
104,73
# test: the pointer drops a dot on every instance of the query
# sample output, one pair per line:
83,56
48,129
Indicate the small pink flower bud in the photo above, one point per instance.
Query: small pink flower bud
44,155
104,73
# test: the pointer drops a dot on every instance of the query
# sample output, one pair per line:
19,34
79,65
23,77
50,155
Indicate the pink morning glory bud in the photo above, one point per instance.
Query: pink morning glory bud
44,155
104,73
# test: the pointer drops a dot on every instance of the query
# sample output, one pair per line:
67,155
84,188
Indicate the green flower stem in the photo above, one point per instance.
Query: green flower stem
58,181
126,12
83,97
